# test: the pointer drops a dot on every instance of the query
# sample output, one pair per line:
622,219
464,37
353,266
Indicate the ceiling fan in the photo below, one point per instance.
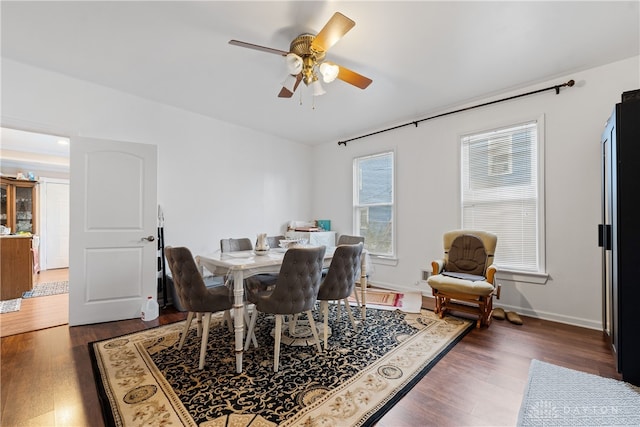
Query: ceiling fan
305,58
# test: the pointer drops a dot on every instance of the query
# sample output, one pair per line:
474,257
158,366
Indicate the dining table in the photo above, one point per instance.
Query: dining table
243,264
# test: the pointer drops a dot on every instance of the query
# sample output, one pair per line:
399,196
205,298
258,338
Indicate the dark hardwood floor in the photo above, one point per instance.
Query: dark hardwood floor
47,380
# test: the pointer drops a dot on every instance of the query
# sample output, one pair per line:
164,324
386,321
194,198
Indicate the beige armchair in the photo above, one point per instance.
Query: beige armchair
464,280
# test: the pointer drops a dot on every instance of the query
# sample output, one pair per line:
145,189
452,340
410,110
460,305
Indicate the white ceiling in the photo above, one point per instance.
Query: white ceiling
423,56
30,142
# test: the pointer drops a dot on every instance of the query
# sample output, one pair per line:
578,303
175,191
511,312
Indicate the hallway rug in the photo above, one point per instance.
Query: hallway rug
46,289
557,396
10,305
143,379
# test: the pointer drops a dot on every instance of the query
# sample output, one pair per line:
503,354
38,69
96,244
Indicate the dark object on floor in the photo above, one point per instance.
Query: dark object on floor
513,317
498,313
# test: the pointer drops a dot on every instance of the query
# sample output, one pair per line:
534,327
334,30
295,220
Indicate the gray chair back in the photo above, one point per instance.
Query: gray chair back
296,289
233,245
350,240
274,241
189,285
341,277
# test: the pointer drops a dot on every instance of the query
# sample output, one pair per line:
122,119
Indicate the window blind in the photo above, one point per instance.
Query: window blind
500,192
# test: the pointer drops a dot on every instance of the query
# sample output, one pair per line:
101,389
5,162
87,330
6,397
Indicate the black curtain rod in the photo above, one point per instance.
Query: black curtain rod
415,122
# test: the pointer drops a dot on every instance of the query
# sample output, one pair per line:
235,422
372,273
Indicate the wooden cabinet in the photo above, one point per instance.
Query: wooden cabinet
18,205
16,275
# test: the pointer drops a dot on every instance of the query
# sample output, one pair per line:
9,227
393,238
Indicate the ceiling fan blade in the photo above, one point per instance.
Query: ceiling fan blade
286,93
333,31
258,47
351,77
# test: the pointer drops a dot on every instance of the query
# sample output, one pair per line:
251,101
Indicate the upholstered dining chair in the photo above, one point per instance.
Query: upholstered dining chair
339,283
295,292
464,280
234,245
259,282
346,239
274,241
197,299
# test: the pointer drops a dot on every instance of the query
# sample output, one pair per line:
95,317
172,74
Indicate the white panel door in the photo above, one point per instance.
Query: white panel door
113,251
57,225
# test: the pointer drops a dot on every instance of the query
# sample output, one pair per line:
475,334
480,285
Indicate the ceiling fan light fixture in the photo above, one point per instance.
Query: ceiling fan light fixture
294,63
329,72
305,58
317,88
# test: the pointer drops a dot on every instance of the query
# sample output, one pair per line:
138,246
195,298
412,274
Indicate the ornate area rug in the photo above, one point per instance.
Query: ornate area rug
45,289
557,396
143,379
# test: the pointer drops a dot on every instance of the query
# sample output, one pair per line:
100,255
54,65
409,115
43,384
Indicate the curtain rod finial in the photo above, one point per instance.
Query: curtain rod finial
570,83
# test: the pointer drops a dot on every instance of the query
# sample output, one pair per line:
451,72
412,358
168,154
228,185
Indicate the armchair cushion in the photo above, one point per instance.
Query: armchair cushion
467,255
452,284
465,276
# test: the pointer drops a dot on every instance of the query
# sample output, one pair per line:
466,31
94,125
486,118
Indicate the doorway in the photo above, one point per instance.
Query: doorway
45,158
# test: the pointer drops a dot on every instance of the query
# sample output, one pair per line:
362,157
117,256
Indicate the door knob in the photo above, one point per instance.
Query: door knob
149,239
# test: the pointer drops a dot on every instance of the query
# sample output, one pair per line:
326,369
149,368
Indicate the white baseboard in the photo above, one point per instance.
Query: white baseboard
554,317
424,288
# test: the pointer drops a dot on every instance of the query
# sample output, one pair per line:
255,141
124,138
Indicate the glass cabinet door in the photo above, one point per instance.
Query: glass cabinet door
3,206
19,206
24,209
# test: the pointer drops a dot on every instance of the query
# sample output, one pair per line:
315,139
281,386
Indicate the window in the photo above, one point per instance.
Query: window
373,202
502,192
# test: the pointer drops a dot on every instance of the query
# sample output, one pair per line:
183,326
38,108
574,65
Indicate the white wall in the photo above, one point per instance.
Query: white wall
215,180
218,180
427,186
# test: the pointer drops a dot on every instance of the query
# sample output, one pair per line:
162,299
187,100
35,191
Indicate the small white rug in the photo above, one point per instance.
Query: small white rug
557,396
46,289
10,305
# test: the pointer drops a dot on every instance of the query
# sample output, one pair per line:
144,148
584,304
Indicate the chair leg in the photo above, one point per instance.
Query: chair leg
324,307
246,323
355,293
436,309
186,329
250,329
227,319
350,313
199,321
205,338
486,308
314,330
276,346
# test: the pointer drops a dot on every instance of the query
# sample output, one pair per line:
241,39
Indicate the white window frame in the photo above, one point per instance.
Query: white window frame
356,203
537,274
